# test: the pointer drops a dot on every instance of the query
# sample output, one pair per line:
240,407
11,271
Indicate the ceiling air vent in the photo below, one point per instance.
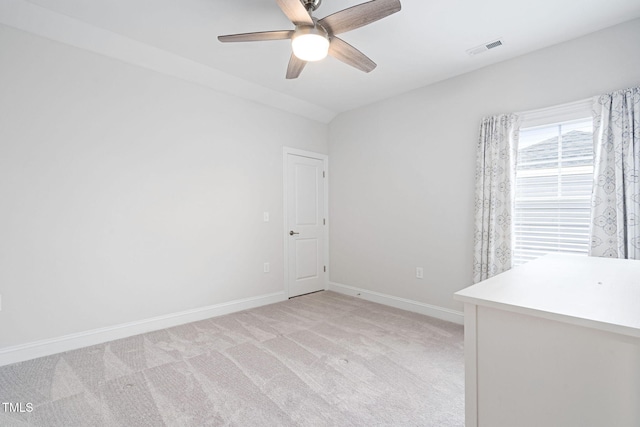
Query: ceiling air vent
485,47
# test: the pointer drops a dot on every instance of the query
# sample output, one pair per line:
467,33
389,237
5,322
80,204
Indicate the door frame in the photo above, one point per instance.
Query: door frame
286,151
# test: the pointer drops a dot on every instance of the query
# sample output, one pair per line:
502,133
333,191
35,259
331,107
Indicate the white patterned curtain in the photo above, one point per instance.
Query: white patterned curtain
615,214
495,178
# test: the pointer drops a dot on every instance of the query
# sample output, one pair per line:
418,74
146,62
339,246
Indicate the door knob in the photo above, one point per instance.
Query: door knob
291,233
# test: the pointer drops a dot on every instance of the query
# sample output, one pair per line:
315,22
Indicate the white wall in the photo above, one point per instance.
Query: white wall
126,194
402,170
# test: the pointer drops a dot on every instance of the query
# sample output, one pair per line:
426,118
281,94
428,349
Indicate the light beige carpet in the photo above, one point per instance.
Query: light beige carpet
323,359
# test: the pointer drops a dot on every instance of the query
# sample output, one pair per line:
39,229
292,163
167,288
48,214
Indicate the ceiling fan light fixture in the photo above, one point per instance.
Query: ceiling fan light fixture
313,39
310,43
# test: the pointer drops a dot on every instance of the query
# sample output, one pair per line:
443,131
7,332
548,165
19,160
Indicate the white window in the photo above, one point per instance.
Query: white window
554,177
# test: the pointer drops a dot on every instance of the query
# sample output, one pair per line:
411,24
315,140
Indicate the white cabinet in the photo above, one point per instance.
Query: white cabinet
554,343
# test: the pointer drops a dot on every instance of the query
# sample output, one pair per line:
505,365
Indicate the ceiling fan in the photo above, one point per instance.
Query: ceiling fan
314,38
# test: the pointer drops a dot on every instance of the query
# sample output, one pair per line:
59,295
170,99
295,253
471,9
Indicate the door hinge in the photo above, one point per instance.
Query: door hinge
323,175
325,268
324,221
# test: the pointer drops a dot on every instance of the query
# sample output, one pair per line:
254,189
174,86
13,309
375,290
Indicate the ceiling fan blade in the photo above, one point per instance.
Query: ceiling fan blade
348,54
359,16
295,11
257,37
296,65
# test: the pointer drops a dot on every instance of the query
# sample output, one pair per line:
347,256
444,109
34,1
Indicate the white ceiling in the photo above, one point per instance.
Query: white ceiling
425,42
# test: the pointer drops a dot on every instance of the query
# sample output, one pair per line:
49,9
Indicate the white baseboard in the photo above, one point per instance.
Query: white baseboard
32,350
402,303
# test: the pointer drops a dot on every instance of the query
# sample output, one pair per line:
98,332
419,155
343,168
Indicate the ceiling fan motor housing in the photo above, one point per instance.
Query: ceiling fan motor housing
311,5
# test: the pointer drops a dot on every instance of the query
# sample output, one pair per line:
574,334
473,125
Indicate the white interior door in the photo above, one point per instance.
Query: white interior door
305,224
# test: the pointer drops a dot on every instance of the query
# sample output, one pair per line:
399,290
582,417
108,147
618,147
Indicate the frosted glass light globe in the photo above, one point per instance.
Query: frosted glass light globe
310,44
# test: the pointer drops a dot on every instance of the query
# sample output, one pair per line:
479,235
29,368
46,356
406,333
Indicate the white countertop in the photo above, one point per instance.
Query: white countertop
600,293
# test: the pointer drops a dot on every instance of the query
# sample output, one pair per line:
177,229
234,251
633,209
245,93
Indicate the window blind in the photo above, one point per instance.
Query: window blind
554,177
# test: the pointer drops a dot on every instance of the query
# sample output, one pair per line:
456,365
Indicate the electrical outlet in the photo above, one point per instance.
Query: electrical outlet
419,273
267,267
